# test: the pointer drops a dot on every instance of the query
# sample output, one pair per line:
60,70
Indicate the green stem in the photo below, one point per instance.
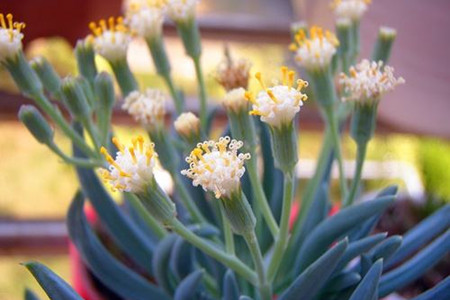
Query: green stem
175,95
124,77
84,163
260,196
187,200
281,242
148,218
360,156
56,116
332,123
202,92
228,260
228,234
255,251
93,133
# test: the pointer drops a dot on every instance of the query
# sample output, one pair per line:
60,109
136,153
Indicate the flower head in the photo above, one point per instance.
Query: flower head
217,166
315,51
181,10
277,105
187,125
111,39
10,37
145,18
233,74
349,9
235,100
147,108
368,81
132,168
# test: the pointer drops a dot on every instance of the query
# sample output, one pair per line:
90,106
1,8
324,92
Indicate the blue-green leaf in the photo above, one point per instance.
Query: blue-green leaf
125,233
309,282
416,266
440,291
111,272
386,248
161,260
337,226
421,234
245,298
366,289
54,286
187,288
30,295
342,282
317,214
230,286
181,258
357,248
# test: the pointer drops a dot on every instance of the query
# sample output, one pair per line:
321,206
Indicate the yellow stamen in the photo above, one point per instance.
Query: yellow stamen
2,21
249,96
149,154
140,140
284,71
272,96
293,47
102,24
133,155
205,148
259,78
117,144
291,76
9,17
256,112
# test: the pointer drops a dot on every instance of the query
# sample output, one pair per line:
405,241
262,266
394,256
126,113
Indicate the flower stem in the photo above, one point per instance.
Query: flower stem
360,156
255,251
57,117
228,260
80,162
332,123
228,234
202,92
148,218
175,95
261,198
281,242
187,200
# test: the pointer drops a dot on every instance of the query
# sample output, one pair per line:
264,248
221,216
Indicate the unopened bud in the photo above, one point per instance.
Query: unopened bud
74,98
84,52
36,124
383,45
187,126
104,89
239,213
47,75
24,76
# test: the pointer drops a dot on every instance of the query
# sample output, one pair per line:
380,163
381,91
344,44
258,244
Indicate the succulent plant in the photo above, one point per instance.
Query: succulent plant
226,234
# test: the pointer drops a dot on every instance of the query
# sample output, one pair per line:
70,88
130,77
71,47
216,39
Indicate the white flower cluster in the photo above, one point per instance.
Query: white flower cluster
147,108
217,166
145,18
10,37
368,81
111,39
316,50
181,10
350,9
235,100
277,105
187,124
132,168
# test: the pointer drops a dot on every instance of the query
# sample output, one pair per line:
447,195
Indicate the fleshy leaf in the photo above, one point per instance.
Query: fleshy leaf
230,286
309,282
366,289
112,273
54,286
440,291
187,288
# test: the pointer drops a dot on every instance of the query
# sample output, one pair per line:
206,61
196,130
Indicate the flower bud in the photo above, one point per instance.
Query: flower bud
24,76
383,45
363,122
36,124
104,89
47,74
284,147
187,126
239,213
74,98
84,52
344,35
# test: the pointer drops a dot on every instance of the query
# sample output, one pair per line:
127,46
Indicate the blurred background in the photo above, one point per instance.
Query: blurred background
412,146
